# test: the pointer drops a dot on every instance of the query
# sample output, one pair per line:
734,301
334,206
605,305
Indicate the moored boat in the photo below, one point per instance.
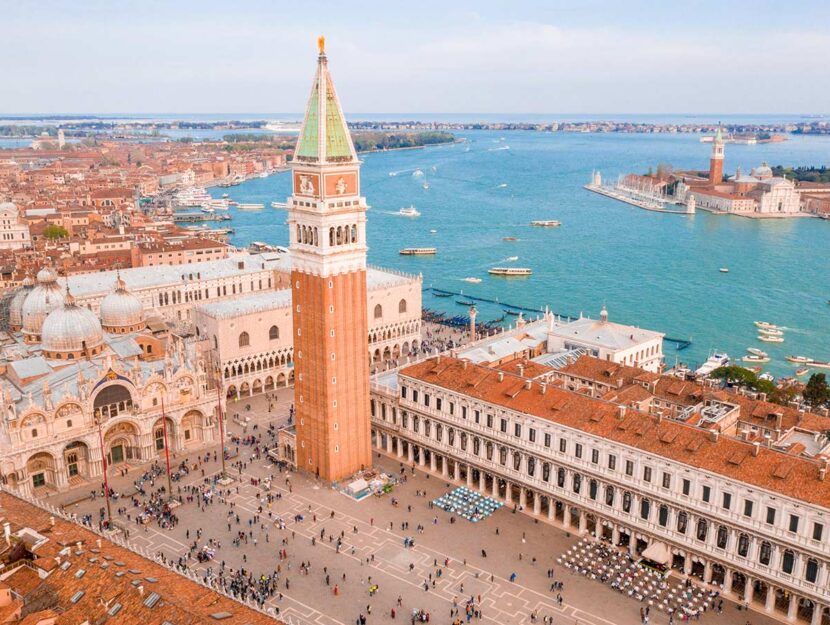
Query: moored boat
756,352
465,302
714,361
770,339
819,364
798,359
770,332
249,207
755,358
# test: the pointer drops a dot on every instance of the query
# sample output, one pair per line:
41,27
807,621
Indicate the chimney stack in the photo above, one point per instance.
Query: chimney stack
714,435
621,412
756,448
7,532
501,376
543,387
528,384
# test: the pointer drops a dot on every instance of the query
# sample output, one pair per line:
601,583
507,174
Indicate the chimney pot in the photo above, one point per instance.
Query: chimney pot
822,474
756,448
621,412
714,435
528,384
501,376
543,387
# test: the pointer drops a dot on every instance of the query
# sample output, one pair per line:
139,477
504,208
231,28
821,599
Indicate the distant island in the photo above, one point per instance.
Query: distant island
363,141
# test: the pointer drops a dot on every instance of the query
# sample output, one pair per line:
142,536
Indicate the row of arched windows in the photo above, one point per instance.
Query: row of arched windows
245,338
379,309
507,457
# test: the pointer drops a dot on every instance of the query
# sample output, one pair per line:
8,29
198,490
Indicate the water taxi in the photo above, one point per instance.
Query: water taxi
418,251
512,258
724,269
279,205
801,371
433,232
755,358
756,352
509,239
249,207
409,211
510,271
546,223
770,332
798,359
819,364
207,209
764,324
770,339
472,280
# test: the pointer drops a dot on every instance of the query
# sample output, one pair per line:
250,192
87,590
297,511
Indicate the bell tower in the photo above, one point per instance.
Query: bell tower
716,159
327,227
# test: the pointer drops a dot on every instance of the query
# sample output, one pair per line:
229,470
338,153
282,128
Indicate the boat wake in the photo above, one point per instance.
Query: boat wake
504,147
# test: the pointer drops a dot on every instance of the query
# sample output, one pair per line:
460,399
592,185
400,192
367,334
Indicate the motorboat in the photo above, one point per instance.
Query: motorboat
509,239
512,258
207,209
433,232
279,205
409,211
472,280
756,352
716,360
418,251
249,207
510,271
755,358
770,332
767,376
770,339
799,359
546,223
764,324
724,269
819,364
802,371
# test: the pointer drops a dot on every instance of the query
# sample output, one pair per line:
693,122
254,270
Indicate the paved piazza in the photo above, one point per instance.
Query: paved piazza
310,601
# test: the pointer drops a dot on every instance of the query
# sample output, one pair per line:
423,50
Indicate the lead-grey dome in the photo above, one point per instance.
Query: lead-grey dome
121,309
16,305
71,328
41,300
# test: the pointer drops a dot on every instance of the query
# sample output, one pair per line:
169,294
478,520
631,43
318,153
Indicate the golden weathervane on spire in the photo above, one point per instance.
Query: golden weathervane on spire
321,44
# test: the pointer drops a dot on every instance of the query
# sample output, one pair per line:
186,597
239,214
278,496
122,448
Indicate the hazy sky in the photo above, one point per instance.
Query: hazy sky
418,56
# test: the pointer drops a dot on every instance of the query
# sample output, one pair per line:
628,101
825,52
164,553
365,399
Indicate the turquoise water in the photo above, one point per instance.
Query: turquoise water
653,270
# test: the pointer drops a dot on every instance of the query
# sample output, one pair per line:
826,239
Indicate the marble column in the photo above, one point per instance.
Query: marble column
388,444
482,481
508,493
522,496
792,609
567,517
818,612
727,580
551,509
410,453
495,487
469,476
615,535
583,521
769,604
598,528
444,469
707,572
749,590
537,504
687,564
421,460
432,462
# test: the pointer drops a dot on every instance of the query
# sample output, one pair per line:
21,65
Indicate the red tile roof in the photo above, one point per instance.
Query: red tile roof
672,440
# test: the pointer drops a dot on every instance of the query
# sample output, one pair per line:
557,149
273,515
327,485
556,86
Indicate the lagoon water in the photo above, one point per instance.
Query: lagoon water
654,270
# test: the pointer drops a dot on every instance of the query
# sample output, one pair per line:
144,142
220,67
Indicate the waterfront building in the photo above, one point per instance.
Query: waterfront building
759,194
728,489
327,225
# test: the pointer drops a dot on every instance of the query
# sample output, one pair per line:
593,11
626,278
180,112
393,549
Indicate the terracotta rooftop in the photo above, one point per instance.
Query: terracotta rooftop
772,470
91,581
604,371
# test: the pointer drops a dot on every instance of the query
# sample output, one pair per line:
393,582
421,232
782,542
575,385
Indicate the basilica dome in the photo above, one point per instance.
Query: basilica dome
121,311
16,305
71,330
41,300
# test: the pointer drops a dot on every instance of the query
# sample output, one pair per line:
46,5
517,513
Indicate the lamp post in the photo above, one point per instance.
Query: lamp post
104,461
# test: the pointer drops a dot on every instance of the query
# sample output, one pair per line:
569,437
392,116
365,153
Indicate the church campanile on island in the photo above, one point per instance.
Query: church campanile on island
327,226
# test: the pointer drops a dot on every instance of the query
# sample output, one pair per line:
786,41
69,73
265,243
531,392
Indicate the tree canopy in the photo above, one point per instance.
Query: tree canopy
54,231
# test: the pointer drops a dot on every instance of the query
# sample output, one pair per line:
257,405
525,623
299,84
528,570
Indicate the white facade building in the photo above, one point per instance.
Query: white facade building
14,232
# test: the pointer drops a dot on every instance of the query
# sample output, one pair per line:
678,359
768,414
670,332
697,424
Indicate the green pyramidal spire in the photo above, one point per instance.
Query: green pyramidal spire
324,137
